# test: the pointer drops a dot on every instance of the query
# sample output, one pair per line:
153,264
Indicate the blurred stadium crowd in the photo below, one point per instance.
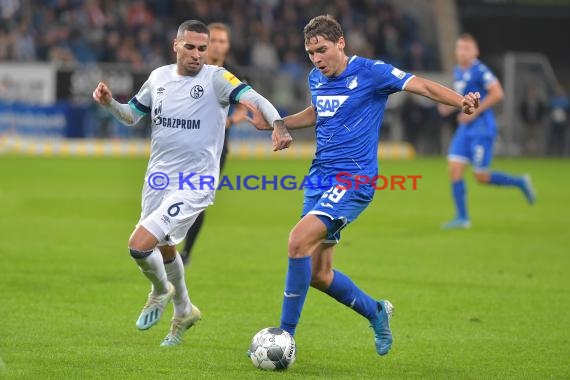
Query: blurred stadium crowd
265,33
268,47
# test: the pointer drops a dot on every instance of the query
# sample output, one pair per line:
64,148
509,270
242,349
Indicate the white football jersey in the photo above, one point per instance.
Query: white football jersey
188,115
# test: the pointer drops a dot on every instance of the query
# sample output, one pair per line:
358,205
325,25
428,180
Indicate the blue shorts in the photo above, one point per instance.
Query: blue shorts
469,147
336,207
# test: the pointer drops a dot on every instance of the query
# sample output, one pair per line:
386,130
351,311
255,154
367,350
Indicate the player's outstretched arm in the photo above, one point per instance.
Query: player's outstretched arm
123,112
435,91
304,119
229,88
281,137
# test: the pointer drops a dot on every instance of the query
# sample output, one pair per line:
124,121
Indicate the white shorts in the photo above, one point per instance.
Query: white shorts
169,214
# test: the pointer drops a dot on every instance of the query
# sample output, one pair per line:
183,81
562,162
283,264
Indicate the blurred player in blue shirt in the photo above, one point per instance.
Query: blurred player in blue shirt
473,141
348,96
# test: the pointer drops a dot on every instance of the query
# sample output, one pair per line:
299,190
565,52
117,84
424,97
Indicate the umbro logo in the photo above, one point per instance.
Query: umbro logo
160,90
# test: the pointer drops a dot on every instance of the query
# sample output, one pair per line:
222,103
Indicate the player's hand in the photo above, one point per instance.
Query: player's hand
256,118
470,103
281,137
102,94
239,114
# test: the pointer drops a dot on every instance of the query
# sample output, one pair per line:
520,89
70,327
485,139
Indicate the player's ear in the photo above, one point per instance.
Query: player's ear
341,43
174,45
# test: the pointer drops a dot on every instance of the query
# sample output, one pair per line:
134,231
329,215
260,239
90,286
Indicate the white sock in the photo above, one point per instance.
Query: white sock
175,274
152,267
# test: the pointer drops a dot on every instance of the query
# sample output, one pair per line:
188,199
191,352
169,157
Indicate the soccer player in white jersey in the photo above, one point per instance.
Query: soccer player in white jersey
188,104
218,50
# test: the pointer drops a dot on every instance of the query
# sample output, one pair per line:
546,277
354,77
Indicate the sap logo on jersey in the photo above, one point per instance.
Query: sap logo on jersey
328,105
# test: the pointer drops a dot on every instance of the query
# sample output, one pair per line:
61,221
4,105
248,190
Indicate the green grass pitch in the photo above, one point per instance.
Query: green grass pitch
492,302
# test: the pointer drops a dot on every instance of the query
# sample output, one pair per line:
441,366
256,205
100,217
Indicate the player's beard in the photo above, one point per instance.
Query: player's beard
190,69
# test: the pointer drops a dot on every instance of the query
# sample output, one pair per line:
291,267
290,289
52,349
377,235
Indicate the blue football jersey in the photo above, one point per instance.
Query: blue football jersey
476,78
349,110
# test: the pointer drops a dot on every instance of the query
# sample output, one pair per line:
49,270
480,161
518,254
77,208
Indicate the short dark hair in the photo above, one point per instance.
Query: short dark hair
219,26
325,26
468,37
192,26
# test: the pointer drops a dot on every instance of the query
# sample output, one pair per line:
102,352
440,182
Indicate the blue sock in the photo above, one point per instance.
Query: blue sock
459,190
296,288
346,292
504,179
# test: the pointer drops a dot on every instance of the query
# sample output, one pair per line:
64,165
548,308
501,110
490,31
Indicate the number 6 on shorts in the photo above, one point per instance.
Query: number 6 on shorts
175,209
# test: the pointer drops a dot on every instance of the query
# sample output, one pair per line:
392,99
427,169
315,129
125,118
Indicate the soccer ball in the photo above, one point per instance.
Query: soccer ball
272,349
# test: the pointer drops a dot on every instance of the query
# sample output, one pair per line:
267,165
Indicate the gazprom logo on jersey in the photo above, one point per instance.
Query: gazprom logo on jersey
170,122
328,105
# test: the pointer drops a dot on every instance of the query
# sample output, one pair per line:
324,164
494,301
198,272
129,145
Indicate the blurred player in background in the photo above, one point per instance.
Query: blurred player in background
188,104
559,111
473,141
348,95
217,52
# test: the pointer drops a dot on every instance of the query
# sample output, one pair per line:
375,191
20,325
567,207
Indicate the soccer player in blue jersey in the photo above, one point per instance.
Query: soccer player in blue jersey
348,95
473,141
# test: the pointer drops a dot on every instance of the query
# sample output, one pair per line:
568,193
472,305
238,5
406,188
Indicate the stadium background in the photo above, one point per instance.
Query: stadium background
488,303
54,52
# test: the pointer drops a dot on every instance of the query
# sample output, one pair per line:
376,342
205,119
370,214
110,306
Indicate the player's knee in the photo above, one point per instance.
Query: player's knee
455,171
454,175
135,243
299,244
142,240
482,177
296,244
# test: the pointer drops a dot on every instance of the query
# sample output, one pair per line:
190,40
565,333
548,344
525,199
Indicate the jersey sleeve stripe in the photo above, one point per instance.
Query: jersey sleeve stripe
238,92
406,82
138,107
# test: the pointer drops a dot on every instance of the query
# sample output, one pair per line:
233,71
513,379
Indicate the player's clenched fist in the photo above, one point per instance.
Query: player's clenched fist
470,103
102,94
